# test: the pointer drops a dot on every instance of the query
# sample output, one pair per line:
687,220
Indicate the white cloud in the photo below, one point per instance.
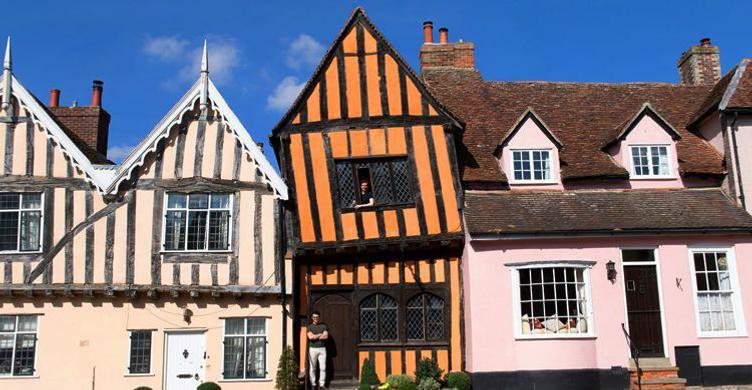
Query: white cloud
284,94
166,48
304,51
224,58
117,153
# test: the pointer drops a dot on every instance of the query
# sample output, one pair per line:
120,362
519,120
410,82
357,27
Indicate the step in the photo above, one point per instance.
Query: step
661,383
651,363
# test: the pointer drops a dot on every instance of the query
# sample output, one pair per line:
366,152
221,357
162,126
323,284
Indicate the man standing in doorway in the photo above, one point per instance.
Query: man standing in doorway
317,336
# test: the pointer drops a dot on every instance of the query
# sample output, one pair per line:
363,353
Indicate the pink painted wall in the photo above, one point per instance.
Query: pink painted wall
530,136
489,311
710,128
648,132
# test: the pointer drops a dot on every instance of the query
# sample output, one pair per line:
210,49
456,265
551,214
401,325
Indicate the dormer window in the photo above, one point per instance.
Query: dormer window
531,165
650,161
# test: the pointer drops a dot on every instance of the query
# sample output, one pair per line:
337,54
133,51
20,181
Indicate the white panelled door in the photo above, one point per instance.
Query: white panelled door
184,360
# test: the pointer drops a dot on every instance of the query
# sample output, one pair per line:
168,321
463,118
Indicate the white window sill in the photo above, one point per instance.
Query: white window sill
724,335
533,182
555,337
19,377
179,252
652,177
267,379
138,375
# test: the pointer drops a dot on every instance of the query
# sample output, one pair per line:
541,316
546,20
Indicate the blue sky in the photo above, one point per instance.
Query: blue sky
261,52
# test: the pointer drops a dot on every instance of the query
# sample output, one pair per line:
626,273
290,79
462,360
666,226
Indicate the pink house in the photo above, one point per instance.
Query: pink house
606,225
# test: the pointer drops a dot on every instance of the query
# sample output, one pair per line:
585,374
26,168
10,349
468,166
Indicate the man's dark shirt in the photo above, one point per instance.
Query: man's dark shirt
317,329
365,197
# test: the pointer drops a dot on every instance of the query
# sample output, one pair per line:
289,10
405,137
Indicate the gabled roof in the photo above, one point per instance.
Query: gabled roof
732,92
174,115
67,142
359,16
649,111
531,115
585,117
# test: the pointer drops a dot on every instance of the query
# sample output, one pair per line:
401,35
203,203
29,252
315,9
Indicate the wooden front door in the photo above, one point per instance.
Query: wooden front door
644,309
336,313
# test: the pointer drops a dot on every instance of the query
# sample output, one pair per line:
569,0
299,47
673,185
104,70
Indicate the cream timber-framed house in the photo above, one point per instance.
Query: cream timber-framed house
163,271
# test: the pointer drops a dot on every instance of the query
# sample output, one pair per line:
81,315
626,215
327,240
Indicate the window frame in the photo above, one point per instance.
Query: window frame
444,319
230,230
585,266
245,335
130,352
354,161
736,299
379,337
20,209
35,372
551,179
669,164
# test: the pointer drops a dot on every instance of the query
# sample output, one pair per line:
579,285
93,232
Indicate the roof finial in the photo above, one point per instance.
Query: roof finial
7,72
204,81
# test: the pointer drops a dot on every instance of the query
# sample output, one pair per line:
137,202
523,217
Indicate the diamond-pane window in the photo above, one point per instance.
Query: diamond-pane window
425,318
378,318
18,344
388,179
197,222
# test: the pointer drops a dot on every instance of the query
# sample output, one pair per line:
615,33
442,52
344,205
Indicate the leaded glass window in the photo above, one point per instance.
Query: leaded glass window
18,345
197,222
140,352
20,222
388,181
378,318
245,342
425,318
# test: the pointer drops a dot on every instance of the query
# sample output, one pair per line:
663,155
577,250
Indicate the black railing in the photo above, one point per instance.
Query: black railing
634,351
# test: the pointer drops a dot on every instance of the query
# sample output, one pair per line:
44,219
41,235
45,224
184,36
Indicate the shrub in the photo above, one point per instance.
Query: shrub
368,376
398,381
287,371
429,384
408,386
427,368
458,380
143,388
208,386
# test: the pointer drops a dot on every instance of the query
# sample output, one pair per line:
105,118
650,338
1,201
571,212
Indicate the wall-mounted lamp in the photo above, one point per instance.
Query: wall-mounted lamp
611,271
187,314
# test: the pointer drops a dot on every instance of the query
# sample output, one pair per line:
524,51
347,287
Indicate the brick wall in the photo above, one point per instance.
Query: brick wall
90,124
456,55
700,65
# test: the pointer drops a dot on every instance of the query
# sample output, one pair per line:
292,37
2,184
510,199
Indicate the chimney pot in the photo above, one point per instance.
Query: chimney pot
54,98
705,42
428,31
96,93
443,35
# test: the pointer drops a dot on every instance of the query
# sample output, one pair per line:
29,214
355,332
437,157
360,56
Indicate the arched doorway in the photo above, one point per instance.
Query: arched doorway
336,313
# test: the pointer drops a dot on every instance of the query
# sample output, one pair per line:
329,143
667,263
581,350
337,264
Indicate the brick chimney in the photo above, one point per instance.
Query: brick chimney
700,65
445,54
90,124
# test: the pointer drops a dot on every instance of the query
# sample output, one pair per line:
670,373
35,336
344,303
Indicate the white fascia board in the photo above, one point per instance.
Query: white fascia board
53,131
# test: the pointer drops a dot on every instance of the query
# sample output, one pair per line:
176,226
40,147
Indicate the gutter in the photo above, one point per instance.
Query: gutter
602,233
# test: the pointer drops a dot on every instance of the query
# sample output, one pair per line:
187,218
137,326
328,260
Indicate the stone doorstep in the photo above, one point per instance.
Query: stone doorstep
650,363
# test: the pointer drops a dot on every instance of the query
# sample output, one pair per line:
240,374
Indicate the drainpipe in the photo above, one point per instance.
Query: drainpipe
281,249
734,127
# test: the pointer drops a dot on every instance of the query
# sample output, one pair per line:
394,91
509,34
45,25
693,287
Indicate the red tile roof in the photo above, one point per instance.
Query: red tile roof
507,213
584,116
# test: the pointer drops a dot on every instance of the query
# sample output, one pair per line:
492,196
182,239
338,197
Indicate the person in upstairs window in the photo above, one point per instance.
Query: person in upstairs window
317,334
366,196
